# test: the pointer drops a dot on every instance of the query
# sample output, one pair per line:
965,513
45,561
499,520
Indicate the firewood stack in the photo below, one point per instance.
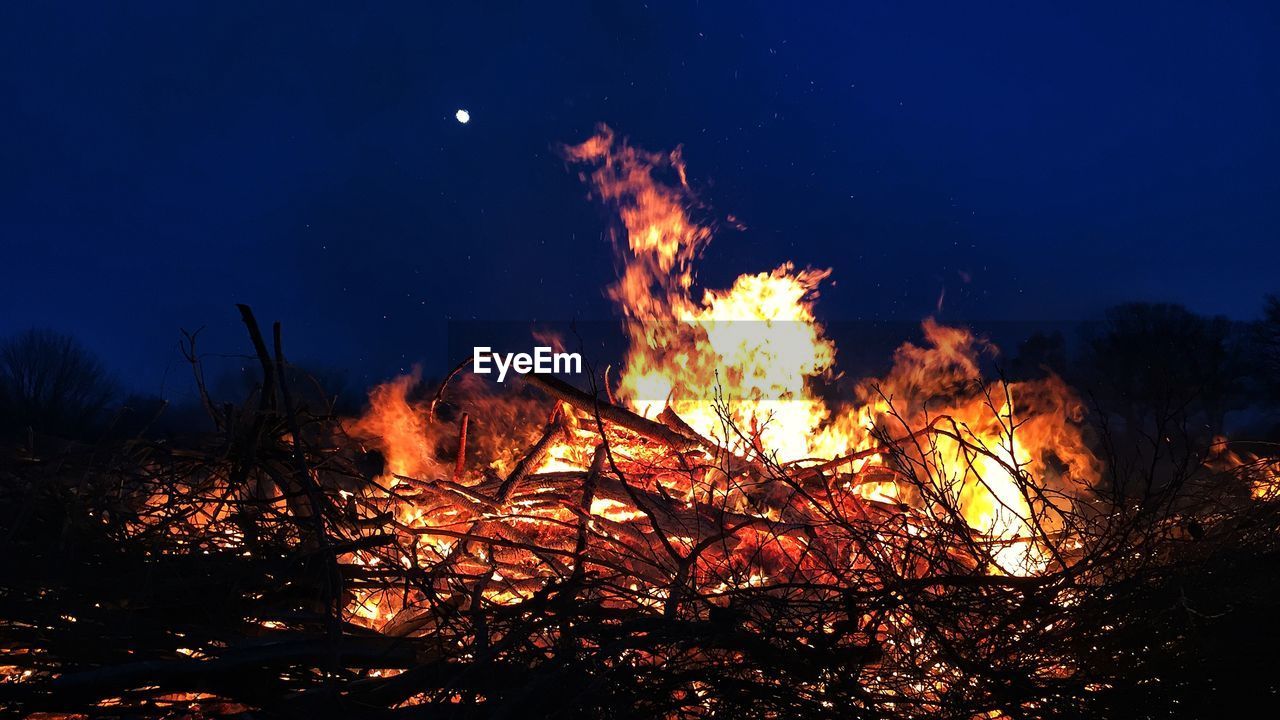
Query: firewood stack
262,572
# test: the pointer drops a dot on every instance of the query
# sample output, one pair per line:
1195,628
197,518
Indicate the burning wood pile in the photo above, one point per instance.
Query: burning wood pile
704,537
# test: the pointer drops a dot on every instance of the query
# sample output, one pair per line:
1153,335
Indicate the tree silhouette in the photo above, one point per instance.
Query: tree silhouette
1157,361
1039,353
1267,338
51,384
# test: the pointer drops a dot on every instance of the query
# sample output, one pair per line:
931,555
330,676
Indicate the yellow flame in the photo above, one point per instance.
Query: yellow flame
740,367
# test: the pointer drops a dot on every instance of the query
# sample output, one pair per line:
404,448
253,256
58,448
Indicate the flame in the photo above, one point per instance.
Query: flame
1011,456
742,368
745,359
401,427
1261,473
756,344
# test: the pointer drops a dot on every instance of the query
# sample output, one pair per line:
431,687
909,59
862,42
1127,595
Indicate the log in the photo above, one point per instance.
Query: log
608,412
531,460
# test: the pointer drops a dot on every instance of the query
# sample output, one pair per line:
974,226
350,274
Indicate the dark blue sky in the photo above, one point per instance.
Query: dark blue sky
160,163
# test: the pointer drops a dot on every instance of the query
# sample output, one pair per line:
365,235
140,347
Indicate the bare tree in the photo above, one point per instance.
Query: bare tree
1159,360
49,382
1266,335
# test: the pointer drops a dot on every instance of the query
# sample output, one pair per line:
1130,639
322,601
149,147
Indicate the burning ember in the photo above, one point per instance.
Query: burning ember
703,535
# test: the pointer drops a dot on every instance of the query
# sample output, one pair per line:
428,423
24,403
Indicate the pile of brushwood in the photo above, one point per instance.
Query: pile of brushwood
222,577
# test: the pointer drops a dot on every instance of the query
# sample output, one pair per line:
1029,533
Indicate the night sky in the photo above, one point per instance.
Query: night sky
161,163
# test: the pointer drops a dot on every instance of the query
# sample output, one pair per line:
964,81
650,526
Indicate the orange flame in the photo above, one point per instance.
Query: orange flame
739,367
758,346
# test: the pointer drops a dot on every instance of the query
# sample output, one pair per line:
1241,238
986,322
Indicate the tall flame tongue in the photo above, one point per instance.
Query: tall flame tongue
756,343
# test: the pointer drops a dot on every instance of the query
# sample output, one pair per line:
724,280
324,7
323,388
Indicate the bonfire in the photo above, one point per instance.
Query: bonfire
702,533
